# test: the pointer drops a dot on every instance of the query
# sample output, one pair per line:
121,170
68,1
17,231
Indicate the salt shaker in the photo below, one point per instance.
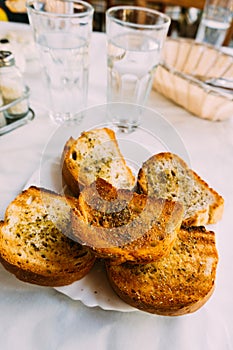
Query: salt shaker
13,47
12,87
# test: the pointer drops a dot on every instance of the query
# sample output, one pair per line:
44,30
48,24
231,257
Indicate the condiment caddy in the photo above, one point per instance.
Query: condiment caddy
14,95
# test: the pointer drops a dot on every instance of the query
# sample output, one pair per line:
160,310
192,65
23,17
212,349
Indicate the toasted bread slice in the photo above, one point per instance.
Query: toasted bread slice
177,284
95,154
32,241
168,176
124,226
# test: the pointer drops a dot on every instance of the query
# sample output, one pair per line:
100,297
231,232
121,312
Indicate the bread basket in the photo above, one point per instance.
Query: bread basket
181,75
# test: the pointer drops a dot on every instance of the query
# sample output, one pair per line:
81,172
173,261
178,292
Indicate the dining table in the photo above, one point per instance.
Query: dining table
90,315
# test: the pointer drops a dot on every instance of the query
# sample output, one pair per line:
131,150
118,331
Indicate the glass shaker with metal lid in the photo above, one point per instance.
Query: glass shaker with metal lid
12,87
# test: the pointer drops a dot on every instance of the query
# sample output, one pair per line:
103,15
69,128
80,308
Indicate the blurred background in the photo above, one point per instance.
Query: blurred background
185,14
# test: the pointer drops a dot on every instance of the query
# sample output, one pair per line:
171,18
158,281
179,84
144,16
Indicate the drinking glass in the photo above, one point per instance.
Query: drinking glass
216,20
135,37
62,31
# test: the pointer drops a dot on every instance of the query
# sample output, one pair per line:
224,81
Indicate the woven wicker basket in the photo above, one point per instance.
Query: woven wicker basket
177,78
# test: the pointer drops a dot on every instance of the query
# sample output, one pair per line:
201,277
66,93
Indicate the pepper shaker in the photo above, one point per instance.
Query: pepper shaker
12,87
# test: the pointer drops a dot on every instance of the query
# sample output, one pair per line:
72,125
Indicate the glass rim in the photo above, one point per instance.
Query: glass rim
88,11
113,9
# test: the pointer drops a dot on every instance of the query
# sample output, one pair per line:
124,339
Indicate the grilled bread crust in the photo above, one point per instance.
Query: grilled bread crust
124,226
156,260
168,176
33,242
177,284
95,154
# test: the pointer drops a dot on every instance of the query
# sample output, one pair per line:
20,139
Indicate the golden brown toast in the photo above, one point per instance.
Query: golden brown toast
95,154
177,284
33,242
124,226
168,176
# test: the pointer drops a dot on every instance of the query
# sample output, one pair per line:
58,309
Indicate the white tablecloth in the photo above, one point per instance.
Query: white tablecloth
33,317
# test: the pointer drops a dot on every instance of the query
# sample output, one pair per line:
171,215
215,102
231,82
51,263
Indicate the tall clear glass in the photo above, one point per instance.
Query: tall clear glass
215,22
62,31
135,37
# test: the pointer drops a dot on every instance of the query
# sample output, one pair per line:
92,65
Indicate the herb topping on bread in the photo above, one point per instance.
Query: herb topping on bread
177,284
125,226
165,175
33,242
95,154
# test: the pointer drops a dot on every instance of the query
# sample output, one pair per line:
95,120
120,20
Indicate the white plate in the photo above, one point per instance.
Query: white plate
154,135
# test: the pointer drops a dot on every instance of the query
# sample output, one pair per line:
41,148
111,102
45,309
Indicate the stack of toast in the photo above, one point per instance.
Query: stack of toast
148,229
